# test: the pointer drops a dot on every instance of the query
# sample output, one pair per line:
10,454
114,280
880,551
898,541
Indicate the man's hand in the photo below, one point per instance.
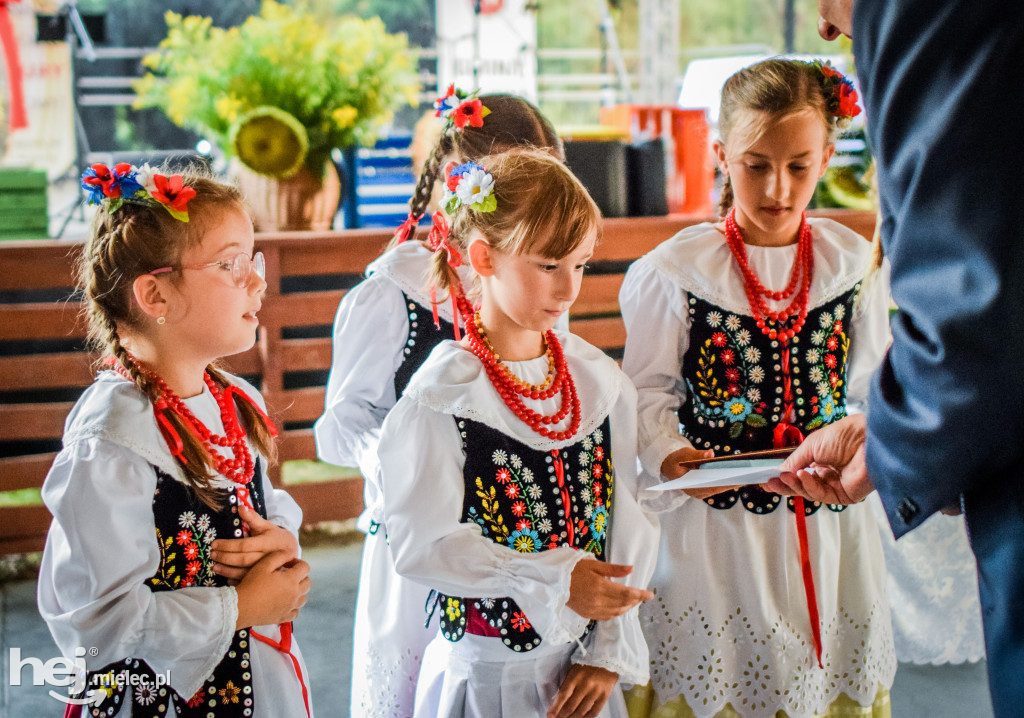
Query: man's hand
829,466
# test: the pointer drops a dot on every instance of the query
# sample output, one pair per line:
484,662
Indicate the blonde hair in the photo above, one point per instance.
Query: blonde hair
541,208
132,241
512,123
758,96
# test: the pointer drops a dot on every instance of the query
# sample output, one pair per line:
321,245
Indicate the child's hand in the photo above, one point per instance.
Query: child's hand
593,594
273,590
671,469
234,557
583,693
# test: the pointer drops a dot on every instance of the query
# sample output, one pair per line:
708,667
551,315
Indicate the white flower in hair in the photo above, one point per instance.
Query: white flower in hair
144,176
475,187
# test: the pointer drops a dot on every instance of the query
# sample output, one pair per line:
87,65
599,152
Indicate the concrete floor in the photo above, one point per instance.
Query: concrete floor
325,628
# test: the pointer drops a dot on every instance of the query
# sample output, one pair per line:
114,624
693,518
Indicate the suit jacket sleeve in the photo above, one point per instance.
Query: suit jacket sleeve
938,85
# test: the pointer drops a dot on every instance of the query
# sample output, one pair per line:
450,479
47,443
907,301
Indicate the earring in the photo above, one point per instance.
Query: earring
161,320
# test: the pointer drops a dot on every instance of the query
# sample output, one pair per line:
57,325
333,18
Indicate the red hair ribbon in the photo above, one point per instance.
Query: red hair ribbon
19,115
406,229
171,436
438,239
231,389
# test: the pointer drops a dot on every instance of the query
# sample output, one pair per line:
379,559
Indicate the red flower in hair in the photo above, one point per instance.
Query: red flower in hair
172,192
848,101
470,112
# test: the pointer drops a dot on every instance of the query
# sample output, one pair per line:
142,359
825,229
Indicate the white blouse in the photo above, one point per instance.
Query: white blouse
654,304
422,460
101,549
370,332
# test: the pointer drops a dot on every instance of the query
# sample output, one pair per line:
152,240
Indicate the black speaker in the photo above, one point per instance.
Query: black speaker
645,179
601,166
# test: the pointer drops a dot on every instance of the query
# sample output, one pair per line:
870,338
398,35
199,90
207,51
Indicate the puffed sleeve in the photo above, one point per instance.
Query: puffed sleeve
421,466
370,331
281,507
100,550
657,336
869,338
618,645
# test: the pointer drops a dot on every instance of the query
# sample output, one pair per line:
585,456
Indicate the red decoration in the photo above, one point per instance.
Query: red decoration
471,112
15,75
240,468
172,192
803,267
512,389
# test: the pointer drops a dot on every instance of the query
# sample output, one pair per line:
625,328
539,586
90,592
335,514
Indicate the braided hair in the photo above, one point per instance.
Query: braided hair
513,122
132,241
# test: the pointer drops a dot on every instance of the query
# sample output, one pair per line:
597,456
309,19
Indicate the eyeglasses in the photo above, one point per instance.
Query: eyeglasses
242,267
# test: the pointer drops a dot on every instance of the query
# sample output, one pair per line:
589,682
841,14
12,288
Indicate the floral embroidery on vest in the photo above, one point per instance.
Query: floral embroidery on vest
529,501
185,528
734,385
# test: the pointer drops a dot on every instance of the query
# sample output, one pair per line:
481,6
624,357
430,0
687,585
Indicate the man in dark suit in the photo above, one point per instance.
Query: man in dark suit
945,424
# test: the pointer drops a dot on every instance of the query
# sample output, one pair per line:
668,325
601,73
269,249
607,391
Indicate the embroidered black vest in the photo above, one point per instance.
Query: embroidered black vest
530,501
185,528
734,385
423,337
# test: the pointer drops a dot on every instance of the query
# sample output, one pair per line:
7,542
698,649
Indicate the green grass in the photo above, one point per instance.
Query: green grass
305,472
20,497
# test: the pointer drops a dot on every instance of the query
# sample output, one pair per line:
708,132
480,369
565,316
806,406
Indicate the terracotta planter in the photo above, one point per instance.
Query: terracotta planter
300,202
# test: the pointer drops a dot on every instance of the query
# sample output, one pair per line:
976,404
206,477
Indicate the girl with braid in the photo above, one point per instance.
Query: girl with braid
746,335
170,553
385,328
509,466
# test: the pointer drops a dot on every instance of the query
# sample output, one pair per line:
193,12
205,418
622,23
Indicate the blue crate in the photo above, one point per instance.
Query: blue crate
384,181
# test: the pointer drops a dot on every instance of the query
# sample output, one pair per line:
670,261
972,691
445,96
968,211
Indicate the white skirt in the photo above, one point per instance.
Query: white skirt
729,621
478,677
388,638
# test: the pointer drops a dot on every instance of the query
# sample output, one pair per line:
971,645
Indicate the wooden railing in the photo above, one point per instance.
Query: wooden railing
43,368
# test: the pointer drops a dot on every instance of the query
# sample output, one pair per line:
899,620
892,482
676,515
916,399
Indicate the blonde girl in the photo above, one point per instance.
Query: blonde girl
509,466
743,335
384,330
170,552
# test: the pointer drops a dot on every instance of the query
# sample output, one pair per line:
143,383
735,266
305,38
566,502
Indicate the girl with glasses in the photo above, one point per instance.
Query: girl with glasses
165,459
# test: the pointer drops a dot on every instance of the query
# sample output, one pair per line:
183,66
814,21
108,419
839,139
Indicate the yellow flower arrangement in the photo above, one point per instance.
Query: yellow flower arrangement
285,80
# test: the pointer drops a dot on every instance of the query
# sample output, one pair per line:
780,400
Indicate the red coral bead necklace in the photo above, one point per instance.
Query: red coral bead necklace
240,468
787,322
512,389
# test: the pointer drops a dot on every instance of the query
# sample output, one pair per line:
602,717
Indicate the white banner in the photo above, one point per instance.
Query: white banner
500,43
49,140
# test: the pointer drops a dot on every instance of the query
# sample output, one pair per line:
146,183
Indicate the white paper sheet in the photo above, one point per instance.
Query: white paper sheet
725,473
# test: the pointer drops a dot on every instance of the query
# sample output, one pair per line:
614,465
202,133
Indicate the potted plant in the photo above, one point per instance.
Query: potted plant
277,94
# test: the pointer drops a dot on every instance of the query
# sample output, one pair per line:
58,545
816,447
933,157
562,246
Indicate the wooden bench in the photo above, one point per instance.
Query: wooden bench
43,368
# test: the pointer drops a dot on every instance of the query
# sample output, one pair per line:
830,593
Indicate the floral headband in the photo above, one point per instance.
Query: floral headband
456,108
840,97
136,185
472,186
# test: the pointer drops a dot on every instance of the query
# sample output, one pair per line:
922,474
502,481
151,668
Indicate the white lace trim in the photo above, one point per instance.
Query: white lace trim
762,672
453,381
627,673
384,686
840,256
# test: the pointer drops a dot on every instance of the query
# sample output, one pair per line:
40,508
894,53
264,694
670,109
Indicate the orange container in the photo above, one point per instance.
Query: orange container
690,183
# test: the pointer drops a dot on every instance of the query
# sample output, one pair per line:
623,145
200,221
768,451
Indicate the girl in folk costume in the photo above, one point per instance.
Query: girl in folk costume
499,483
385,328
165,458
746,335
